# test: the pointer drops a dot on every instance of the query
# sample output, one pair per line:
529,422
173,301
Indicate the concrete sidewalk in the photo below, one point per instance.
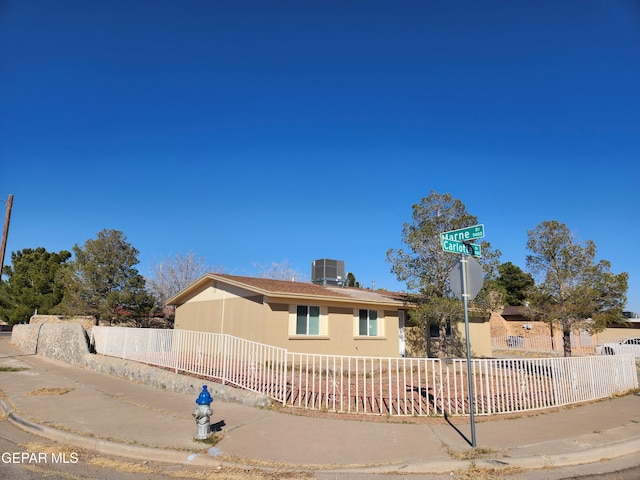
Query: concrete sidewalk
119,417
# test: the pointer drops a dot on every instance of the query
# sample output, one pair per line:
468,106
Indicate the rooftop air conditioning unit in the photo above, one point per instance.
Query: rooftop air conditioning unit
327,272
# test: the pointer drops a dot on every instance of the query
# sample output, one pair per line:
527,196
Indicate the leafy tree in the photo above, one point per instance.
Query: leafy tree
425,268
171,275
32,285
572,290
102,280
351,281
514,283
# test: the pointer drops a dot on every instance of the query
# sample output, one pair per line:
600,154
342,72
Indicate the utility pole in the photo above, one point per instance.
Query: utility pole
5,233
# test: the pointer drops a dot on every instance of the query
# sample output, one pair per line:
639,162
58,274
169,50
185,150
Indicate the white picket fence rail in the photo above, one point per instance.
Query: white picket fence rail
374,385
582,344
231,360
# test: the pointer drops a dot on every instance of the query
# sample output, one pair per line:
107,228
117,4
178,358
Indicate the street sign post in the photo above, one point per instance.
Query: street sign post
458,241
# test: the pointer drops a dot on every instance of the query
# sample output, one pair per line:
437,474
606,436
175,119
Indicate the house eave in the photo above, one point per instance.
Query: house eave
182,297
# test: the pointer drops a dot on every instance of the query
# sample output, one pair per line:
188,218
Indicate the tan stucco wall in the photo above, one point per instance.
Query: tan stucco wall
613,334
479,333
479,336
230,310
342,340
216,310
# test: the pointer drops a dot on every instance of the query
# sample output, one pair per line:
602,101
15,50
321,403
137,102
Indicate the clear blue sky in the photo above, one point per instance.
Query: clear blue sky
264,131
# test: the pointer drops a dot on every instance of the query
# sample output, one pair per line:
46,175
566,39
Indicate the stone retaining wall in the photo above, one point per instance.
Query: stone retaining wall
68,342
86,321
25,337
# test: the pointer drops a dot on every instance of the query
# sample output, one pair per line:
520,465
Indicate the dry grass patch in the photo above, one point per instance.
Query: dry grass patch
212,440
474,453
52,449
42,392
232,473
122,466
12,369
475,473
204,473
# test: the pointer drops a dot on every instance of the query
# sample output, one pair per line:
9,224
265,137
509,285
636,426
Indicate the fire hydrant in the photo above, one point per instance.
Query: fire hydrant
202,414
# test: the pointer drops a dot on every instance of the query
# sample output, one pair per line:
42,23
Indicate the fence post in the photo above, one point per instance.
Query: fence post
488,387
283,378
178,346
224,359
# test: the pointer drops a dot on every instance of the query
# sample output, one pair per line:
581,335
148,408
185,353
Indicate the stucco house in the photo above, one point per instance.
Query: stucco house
512,322
299,316
619,331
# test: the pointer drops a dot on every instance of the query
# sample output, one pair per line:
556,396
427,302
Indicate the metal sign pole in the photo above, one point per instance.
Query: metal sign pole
465,301
459,241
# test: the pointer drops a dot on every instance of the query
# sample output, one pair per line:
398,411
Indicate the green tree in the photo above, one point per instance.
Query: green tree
102,280
425,268
572,290
351,281
514,283
32,284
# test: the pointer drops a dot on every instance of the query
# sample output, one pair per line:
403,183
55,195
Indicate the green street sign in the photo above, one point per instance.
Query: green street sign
454,246
463,234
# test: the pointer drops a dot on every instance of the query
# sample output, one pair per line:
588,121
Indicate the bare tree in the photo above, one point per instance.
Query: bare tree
279,271
171,275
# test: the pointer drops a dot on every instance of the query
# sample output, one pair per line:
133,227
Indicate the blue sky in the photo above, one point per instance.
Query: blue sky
258,132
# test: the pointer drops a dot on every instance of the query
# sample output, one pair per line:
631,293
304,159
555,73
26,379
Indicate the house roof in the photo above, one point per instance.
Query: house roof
518,314
512,311
297,290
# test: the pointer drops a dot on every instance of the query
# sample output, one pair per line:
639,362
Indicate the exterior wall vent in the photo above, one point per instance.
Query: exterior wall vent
327,272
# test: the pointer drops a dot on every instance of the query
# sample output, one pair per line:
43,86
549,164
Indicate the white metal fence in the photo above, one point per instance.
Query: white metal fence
374,385
230,360
582,344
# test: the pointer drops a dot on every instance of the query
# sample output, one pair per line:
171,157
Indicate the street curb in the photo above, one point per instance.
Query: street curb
582,457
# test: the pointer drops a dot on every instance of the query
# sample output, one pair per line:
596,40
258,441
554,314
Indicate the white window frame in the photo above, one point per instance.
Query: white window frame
379,332
293,321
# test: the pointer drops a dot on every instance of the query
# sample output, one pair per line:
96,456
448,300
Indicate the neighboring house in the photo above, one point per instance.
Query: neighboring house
513,323
301,317
619,331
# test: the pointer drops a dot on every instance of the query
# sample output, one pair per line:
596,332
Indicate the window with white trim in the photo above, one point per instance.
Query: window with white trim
367,323
307,320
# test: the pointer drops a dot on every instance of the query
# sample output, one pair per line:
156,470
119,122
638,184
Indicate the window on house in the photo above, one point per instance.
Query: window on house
308,320
434,329
368,325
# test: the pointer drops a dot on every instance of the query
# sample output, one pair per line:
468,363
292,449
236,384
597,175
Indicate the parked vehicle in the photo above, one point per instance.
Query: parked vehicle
628,346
